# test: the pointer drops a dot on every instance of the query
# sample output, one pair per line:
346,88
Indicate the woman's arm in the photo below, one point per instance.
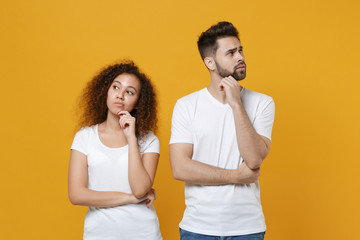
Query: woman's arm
79,194
141,170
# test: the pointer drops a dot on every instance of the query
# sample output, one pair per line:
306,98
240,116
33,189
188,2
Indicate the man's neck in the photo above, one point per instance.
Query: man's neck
216,92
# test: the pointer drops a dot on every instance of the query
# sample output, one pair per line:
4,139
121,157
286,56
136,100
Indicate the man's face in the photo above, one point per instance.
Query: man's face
229,58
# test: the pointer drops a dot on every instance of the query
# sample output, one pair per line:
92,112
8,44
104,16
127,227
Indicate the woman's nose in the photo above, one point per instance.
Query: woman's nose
121,95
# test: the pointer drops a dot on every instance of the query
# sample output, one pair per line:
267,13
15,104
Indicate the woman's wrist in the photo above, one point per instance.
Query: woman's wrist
132,140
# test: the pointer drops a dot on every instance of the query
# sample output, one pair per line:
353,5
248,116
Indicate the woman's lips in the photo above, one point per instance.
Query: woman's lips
119,104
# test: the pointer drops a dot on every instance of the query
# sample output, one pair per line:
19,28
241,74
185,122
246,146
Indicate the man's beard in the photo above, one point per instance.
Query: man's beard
225,73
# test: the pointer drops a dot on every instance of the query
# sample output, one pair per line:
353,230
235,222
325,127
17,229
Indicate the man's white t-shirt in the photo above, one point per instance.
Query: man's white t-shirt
108,171
201,120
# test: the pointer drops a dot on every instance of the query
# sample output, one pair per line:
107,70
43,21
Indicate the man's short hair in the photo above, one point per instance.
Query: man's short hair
207,43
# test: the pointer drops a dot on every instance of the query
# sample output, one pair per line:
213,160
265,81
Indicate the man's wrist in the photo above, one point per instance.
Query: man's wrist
233,176
236,106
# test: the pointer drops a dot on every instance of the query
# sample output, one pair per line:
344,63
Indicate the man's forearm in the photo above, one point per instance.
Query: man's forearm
194,172
252,146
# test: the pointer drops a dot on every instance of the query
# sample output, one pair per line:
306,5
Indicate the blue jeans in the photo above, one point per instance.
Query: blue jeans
186,235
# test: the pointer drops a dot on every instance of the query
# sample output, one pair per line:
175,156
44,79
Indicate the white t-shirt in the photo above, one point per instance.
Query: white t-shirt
108,171
208,124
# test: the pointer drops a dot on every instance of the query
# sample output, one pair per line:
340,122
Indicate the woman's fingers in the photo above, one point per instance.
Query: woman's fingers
126,120
122,113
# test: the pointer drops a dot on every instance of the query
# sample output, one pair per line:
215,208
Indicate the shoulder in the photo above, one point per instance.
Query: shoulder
85,134
188,103
257,104
82,139
256,97
149,143
149,137
86,131
190,98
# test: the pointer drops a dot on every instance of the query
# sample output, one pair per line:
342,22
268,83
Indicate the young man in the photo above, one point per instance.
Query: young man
220,135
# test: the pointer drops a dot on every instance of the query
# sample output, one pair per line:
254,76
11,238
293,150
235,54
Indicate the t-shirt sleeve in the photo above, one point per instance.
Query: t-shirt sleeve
264,119
181,124
149,143
81,140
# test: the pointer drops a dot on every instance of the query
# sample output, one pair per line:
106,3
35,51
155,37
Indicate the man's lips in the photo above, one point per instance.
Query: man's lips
240,67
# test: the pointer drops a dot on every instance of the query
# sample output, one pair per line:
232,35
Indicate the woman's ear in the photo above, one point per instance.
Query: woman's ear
210,63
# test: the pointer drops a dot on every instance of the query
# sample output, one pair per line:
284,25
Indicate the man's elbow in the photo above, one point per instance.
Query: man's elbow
255,164
176,173
179,165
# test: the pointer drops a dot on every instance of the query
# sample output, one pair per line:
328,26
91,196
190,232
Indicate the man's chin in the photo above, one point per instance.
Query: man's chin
238,77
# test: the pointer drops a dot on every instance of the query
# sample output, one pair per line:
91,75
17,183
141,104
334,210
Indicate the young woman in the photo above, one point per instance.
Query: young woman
115,154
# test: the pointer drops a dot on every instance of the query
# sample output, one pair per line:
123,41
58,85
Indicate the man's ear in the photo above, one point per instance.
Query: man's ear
210,63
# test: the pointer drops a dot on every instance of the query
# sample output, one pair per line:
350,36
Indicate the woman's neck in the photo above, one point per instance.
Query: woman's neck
111,123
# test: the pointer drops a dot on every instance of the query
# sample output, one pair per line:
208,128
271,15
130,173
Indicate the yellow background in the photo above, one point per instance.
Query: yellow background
305,54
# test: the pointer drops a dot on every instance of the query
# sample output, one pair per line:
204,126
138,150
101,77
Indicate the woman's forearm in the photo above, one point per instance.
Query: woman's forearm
88,197
139,179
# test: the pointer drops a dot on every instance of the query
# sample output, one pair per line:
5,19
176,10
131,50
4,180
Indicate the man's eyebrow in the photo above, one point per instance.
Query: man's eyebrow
126,86
234,49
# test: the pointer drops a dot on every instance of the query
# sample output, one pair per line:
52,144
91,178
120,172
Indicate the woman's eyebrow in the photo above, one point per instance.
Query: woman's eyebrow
126,86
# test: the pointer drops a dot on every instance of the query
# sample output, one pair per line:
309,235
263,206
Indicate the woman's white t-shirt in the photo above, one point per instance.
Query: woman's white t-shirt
108,171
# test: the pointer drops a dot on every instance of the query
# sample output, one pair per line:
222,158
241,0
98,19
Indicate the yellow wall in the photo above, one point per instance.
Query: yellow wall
305,54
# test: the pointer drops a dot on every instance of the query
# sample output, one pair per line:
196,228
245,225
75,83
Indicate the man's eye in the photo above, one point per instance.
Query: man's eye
230,53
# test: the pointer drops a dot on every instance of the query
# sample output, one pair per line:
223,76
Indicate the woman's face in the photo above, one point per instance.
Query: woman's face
123,93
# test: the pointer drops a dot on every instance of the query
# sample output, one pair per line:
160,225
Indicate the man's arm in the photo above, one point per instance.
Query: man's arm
252,146
184,168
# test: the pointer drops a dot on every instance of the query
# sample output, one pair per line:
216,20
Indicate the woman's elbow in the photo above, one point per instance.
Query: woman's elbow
140,192
74,198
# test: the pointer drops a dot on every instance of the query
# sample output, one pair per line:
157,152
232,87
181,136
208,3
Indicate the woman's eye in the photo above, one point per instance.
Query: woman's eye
116,87
130,93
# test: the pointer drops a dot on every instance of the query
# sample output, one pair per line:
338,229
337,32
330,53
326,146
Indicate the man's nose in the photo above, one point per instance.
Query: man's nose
240,56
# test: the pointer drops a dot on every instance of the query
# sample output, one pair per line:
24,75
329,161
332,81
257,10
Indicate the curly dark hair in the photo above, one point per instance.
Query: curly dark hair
92,102
207,42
